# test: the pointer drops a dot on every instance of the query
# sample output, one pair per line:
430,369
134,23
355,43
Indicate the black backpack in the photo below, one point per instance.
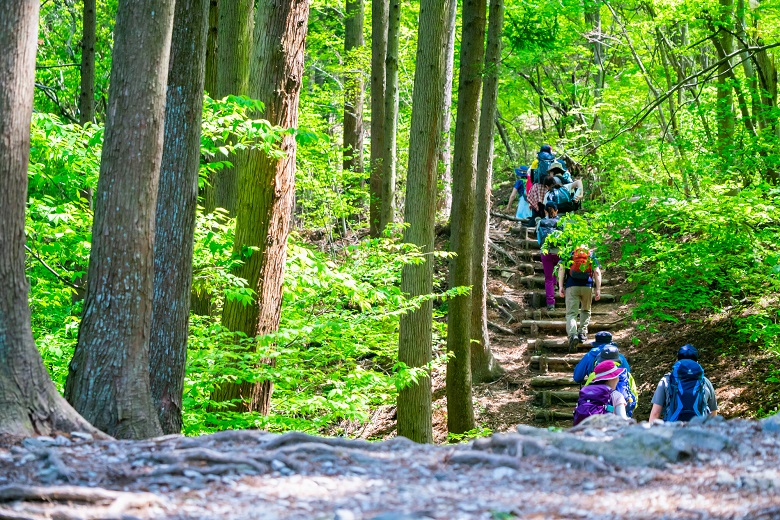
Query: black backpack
685,397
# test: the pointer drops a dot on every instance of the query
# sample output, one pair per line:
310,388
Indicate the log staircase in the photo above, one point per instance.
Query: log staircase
544,332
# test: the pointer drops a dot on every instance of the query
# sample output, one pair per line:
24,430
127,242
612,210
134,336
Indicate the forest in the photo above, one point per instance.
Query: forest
227,214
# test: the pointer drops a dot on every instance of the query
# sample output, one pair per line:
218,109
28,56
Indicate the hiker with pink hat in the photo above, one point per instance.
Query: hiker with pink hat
600,396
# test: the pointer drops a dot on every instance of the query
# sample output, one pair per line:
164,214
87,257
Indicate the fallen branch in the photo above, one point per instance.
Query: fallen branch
498,249
505,217
501,329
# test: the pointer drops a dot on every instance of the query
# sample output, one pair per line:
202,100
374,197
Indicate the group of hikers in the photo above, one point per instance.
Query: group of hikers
547,190
610,388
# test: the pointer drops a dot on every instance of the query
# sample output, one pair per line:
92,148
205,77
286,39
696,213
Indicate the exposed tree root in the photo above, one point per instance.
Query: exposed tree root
300,437
489,459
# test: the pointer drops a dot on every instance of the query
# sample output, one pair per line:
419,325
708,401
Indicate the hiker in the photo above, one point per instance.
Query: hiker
550,259
626,384
579,279
566,196
523,211
600,396
588,361
684,393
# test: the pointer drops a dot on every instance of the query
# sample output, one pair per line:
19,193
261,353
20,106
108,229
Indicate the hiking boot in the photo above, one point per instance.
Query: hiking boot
550,308
573,341
583,338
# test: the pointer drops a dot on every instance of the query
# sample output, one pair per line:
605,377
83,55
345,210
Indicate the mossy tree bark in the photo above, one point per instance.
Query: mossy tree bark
177,198
267,184
460,408
414,343
29,402
379,22
484,366
108,381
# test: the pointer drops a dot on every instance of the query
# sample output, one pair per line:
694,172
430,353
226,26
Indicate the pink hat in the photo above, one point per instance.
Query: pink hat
607,370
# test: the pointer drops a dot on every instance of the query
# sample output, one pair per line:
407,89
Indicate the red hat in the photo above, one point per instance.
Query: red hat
607,370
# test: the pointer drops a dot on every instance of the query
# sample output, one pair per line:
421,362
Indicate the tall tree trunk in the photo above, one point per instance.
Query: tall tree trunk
444,201
593,18
88,38
177,198
387,213
460,407
234,42
210,84
353,87
725,103
484,366
29,402
414,342
267,184
108,382
379,22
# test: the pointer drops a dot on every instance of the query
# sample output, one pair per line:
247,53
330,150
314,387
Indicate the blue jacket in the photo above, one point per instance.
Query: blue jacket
588,362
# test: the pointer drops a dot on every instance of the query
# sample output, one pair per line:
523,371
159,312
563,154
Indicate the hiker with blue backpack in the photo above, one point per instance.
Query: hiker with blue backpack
567,196
601,396
626,384
588,361
684,393
539,171
550,259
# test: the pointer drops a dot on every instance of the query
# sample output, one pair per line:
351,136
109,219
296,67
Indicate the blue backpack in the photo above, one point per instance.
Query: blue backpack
544,228
685,397
545,161
593,400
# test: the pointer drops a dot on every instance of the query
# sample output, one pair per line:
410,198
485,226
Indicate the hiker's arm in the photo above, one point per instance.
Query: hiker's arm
577,190
560,280
511,198
597,283
655,413
620,411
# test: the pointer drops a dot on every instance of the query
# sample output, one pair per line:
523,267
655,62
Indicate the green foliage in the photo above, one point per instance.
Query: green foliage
482,431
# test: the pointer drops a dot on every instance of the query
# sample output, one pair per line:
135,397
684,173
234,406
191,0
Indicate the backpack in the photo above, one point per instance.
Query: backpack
685,397
544,228
593,400
581,265
545,160
626,386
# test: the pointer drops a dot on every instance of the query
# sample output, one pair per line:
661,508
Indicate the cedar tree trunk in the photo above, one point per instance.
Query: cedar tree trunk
267,184
29,402
444,201
108,382
177,198
414,342
484,366
353,87
379,22
460,408
389,163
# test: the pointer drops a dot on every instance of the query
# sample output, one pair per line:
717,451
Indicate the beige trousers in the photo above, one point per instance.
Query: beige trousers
578,299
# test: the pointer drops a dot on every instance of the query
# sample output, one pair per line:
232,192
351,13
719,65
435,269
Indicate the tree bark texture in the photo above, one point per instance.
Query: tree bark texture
460,408
379,21
29,402
444,201
389,163
177,198
414,343
210,84
484,366
88,38
108,382
267,184
353,87
234,43
593,18
725,102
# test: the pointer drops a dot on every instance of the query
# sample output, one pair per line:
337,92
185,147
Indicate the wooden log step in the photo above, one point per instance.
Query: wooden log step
538,314
545,363
561,325
552,381
605,298
550,398
545,415
537,281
